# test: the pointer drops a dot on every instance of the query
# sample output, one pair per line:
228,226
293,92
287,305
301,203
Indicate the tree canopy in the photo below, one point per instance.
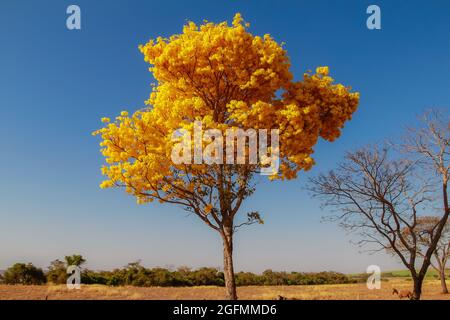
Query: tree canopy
224,79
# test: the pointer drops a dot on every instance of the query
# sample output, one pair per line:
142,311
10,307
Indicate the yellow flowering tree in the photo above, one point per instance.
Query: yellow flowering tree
227,78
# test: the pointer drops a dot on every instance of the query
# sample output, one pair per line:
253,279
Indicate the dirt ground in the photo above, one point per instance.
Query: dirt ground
359,291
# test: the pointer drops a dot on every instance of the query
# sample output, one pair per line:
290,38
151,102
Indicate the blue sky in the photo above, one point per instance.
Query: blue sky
56,84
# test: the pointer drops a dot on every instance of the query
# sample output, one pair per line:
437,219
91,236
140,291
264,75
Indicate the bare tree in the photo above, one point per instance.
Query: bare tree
377,198
441,255
429,145
383,198
424,231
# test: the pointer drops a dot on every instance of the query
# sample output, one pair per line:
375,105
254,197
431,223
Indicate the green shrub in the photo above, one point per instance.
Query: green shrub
24,273
56,273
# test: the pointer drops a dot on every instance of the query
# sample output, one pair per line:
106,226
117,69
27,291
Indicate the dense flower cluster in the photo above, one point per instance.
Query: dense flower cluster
225,77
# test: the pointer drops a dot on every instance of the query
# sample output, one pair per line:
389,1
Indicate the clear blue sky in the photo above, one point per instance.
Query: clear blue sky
56,84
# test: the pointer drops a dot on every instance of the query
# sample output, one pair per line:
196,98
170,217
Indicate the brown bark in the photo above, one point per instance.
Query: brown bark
440,268
443,283
418,281
228,268
446,213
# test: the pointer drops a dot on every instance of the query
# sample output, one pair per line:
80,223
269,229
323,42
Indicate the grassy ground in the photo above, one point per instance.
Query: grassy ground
317,292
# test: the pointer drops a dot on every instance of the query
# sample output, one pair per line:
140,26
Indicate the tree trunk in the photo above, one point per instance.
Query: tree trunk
418,281
446,213
443,283
228,268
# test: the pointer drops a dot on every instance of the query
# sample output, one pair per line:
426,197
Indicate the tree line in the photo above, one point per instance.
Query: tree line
134,274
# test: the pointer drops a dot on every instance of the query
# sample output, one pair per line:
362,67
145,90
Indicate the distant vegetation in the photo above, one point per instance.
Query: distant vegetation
431,274
362,277
134,274
21,273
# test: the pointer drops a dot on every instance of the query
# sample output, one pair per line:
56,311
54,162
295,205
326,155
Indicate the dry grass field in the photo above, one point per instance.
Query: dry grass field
315,292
